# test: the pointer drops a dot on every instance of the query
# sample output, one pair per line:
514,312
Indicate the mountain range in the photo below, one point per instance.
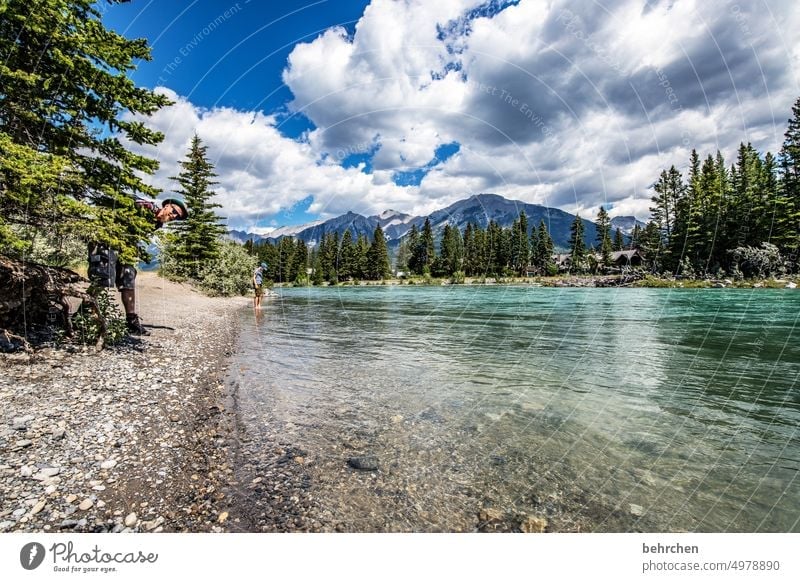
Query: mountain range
478,209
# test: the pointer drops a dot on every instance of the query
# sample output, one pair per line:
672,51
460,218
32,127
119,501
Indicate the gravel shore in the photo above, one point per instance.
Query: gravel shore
133,438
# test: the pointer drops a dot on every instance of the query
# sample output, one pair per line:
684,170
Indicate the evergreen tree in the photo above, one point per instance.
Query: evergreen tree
414,258
652,245
636,235
604,236
520,246
362,261
64,102
298,269
425,252
378,257
544,251
287,272
619,241
197,239
670,190
577,246
347,259
317,276
452,251
787,228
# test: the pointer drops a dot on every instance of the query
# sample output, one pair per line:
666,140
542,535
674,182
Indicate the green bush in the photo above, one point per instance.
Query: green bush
87,327
231,274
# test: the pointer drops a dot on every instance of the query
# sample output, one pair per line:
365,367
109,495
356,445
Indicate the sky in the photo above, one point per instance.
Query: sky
313,109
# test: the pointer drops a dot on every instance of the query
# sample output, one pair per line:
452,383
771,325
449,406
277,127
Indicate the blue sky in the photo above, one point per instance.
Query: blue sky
312,109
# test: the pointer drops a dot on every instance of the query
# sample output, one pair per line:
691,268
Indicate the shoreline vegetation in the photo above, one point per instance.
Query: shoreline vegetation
599,281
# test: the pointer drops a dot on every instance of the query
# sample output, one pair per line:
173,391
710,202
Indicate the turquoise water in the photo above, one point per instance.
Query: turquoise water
595,409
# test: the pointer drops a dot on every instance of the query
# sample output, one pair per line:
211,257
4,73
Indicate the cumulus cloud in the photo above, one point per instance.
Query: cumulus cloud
567,104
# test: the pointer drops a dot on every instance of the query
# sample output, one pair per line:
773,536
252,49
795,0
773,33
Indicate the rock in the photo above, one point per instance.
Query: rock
533,524
71,498
636,510
131,519
86,504
59,434
300,460
26,471
490,514
24,444
397,419
22,422
49,471
109,464
222,517
366,463
791,285
38,507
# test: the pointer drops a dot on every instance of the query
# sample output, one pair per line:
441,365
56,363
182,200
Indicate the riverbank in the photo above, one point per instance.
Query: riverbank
645,281
133,438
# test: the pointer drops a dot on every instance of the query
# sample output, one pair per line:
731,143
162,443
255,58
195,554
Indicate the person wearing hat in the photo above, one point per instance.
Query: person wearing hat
106,271
258,281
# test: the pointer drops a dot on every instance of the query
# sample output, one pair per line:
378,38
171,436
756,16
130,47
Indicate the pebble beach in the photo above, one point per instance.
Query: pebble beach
133,438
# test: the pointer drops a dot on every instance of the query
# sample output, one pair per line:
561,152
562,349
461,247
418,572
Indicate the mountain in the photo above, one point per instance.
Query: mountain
478,209
241,236
481,208
626,224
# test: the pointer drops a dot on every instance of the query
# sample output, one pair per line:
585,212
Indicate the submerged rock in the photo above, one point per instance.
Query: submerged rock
366,463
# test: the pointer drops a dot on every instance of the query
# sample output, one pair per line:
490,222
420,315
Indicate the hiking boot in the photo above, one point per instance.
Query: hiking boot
135,326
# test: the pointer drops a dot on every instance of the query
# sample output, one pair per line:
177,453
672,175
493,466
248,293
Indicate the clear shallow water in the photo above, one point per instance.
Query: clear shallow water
596,409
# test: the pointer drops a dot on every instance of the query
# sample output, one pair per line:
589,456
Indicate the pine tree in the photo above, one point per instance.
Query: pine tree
619,241
452,251
544,250
197,239
425,248
347,263
378,257
520,246
414,258
577,246
604,236
787,229
361,261
64,102
298,269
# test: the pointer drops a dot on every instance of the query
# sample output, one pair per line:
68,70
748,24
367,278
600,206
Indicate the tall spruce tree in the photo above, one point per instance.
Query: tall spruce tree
378,257
619,241
425,251
452,251
787,229
64,99
577,246
604,236
347,263
520,245
197,239
544,250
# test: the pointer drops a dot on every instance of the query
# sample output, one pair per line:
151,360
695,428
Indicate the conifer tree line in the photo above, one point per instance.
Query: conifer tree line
726,218
334,260
493,251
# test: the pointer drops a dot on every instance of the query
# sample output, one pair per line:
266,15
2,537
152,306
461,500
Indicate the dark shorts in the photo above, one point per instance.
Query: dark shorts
258,291
106,271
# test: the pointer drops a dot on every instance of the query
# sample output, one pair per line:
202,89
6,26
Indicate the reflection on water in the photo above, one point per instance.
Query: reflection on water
594,409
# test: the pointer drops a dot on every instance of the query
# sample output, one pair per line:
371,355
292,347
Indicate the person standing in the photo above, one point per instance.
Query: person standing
106,271
258,281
